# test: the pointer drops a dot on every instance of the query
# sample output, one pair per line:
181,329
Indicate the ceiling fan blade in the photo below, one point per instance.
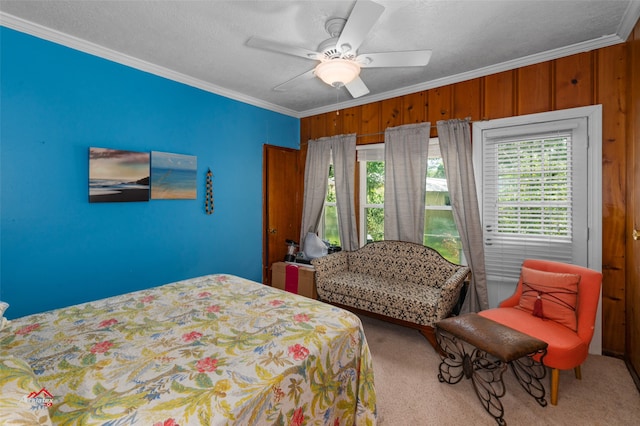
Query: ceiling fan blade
274,46
364,15
295,81
412,58
357,88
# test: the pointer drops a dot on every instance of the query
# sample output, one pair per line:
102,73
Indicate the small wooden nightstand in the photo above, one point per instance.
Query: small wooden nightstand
295,278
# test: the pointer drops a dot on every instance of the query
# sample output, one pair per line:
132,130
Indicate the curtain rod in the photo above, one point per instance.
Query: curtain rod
369,134
382,133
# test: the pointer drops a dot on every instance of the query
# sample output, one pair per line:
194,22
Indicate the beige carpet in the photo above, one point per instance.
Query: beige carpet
409,393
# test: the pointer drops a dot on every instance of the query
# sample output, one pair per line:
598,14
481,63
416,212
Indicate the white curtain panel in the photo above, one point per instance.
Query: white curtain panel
315,185
455,146
406,150
344,163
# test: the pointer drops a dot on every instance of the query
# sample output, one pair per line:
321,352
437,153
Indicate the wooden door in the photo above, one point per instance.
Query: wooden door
282,201
632,340
632,312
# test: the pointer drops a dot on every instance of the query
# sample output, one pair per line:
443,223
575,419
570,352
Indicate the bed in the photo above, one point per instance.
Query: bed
212,350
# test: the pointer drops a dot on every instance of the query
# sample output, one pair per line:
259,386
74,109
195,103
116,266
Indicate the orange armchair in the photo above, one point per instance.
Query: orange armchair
568,347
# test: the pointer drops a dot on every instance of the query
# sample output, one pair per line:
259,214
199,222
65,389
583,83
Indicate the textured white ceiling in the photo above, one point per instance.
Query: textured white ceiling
202,43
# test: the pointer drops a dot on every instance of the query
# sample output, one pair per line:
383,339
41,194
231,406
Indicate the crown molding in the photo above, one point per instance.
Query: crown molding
549,55
629,20
18,24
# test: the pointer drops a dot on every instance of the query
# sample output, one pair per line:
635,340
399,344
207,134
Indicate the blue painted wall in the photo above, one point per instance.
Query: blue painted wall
56,248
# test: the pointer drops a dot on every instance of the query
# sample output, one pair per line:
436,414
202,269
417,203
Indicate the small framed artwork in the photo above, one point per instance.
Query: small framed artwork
118,176
173,176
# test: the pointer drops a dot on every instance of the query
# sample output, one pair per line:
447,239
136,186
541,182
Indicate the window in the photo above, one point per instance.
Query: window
538,193
328,229
371,196
440,230
372,201
528,201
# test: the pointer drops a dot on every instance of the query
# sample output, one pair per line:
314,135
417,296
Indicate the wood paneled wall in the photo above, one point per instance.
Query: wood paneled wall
597,77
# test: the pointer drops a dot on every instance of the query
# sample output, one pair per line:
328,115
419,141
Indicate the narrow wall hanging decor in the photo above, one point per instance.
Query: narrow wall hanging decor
208,200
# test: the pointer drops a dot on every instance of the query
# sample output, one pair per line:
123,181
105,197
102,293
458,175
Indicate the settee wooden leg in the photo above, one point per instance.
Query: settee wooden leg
555,378
430,334
578,372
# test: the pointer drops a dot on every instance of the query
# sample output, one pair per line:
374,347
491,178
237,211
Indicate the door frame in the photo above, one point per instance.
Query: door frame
294,204
593,114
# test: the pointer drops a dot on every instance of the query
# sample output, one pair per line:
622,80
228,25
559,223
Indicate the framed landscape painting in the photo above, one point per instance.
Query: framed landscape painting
173,176
118,176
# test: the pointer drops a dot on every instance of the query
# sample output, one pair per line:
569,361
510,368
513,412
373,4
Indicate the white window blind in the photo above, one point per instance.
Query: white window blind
533,196
373,152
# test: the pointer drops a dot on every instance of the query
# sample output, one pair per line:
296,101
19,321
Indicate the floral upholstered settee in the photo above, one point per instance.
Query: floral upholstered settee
402,282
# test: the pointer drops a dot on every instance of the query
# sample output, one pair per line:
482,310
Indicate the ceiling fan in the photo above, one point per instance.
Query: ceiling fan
340,62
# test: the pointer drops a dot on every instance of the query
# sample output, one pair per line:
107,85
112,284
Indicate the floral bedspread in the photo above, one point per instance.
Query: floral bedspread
213,350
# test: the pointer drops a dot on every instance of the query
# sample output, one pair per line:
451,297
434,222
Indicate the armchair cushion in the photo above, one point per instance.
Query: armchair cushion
550,295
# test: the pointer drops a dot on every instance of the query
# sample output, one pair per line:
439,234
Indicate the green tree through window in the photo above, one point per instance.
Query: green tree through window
374,210
440,230
330,214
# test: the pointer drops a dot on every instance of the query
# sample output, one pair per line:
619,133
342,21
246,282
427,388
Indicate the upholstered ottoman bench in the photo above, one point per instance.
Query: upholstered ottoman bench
480,349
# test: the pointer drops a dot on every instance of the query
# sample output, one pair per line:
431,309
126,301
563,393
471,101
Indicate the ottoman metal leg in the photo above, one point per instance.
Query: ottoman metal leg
484,371
529,373
480,349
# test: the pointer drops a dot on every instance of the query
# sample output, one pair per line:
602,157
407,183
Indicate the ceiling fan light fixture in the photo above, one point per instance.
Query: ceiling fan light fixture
338,72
